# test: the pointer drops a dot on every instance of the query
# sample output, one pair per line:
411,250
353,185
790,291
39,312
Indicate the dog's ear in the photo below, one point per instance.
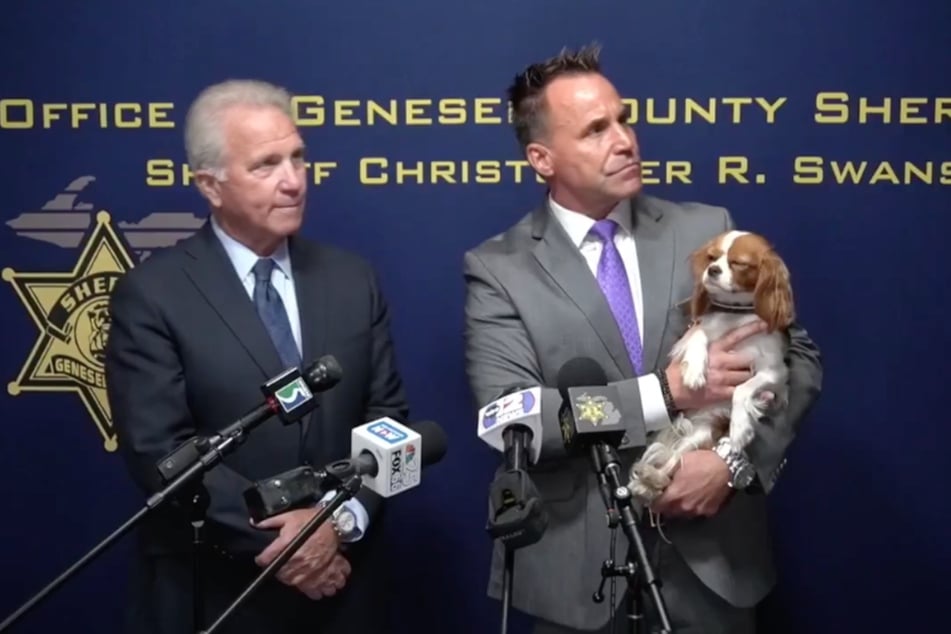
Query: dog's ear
773,297
699,260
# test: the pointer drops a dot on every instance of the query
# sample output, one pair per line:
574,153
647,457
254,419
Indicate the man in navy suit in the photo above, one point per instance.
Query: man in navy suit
196,329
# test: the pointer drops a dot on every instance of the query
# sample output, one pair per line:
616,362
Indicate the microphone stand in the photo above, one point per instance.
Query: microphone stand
605,461
185,467
516,515
341,476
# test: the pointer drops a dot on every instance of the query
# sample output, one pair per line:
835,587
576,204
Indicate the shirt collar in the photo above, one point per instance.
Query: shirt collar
577,225
243,259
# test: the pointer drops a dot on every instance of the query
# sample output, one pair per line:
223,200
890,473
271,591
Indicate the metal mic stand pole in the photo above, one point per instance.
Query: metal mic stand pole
622,497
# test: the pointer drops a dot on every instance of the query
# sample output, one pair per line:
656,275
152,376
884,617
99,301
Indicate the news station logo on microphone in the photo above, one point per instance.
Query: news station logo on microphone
596,410
512,406
387,432
293,395
397,451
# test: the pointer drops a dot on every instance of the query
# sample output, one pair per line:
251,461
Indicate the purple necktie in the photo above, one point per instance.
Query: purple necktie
612,278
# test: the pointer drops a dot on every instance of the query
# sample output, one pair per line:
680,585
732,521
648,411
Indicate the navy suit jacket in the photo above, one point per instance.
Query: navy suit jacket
186,356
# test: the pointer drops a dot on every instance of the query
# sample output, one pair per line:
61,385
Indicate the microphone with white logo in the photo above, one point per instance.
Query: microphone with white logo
385,456
512,424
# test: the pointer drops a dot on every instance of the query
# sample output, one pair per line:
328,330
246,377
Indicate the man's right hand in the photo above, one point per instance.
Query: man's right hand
725,370
326,582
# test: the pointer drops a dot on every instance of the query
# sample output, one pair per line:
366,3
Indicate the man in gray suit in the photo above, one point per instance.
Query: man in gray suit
535,301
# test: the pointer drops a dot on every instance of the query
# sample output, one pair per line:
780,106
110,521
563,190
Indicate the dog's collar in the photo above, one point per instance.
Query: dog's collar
739,309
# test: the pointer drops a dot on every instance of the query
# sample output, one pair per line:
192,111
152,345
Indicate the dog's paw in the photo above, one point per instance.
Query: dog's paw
693,371
647,482
741,431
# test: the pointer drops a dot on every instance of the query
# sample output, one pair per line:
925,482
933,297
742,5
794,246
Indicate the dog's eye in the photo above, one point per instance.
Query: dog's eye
742,266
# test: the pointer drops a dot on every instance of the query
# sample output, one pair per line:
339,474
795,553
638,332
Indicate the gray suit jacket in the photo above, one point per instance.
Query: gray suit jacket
532,305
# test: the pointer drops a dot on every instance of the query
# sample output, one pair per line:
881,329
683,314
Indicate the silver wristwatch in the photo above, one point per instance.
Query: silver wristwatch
344,523
741,469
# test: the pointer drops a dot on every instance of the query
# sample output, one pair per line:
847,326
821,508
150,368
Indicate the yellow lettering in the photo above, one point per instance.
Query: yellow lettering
344,109
737,103
693,107
831,107
376,110
865,109
908,107
415,113
653,117
942,109
884,172
442,170
160,173
402,172
452,111
679,171
770,107
807,170
6,121
158,115
76,113
734,167
308,110
519,166
945,173
848,171
484,107
49,114
322,170
488,172
134,122
925,175
366,178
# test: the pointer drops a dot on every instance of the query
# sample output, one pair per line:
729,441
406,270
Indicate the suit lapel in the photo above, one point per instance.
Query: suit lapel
567,267
655,259
213,274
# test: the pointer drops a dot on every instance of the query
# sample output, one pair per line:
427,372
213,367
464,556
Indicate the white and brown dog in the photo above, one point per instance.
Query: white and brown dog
739,279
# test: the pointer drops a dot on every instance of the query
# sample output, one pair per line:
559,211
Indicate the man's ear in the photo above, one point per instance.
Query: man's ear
541,159
209,186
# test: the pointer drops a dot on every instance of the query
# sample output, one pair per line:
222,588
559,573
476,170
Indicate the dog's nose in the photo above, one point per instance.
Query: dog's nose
714,271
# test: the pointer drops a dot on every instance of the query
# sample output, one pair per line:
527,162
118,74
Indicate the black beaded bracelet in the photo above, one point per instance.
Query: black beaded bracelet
665,390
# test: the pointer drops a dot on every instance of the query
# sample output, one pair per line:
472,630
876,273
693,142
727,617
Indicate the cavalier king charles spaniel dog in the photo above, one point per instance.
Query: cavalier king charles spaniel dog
739,279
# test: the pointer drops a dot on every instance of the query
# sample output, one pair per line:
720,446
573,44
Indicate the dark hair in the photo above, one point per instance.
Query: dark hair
526,93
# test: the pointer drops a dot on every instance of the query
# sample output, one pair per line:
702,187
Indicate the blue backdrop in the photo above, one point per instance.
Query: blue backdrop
807,92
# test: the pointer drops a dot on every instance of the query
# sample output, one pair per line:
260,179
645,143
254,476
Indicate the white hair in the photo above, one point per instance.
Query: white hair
204,138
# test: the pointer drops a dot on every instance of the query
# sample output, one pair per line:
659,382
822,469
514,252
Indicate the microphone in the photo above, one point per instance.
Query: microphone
591,409
512,424
385,456
590,420
385,453
289,396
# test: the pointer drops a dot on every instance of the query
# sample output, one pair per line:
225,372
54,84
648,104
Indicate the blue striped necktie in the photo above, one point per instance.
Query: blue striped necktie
273,315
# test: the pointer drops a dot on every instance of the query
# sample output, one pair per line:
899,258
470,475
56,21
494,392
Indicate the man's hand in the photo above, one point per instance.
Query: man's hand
315,554
699,487
725,370
326,582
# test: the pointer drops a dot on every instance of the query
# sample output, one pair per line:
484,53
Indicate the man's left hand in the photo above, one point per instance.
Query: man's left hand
699,487
313,555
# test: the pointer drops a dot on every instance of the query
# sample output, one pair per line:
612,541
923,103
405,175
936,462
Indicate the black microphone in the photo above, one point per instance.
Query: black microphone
289,396
591,421
373,446
591,409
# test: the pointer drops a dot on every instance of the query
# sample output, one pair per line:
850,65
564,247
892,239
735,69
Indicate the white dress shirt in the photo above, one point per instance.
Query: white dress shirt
578,226
282,279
